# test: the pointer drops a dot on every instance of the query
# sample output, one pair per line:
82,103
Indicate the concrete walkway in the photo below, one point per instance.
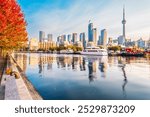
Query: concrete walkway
16,89
32,91
2,88
11,90
2,92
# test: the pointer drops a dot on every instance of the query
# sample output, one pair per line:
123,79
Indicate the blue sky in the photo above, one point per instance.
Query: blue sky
67,16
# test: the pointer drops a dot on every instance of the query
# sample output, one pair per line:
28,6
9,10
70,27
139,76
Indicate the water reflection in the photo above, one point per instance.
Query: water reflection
92,70
103,68
21,60
82,65
89,68
125,81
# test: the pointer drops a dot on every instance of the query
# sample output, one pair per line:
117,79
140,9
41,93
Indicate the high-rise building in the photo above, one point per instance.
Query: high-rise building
50,37
124,24
148,44
63,37
90,32
103,39
141,43
121,40
99,40
69,38
41,36
94,32
74,37
58,38
33,44
81,36
82,39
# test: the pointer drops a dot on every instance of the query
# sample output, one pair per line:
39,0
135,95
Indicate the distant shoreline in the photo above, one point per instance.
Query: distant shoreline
123,55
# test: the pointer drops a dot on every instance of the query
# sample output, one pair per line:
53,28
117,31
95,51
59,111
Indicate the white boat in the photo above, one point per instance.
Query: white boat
70,51
63,51
94,51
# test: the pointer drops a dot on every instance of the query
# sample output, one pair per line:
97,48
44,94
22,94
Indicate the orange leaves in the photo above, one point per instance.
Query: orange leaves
12,25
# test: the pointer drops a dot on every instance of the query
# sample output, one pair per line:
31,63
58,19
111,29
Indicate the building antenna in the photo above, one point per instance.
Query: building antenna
124,8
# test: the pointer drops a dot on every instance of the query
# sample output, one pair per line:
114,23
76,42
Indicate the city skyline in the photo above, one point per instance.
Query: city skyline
57,17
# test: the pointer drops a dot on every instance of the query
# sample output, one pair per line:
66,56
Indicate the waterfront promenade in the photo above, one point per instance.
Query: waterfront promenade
12,88
1,72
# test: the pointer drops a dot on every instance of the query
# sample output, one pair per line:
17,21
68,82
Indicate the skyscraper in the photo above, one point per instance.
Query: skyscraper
124,23
90,32
69,38
74,37
82,39
50,37
94,34
41,36
104,37
63,37
58,38
99,40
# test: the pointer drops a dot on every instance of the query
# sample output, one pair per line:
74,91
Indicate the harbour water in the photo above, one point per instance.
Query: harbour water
69,77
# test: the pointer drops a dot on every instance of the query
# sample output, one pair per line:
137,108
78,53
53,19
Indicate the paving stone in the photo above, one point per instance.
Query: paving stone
11,91
2,92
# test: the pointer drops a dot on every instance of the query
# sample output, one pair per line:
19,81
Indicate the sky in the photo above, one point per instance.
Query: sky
60,17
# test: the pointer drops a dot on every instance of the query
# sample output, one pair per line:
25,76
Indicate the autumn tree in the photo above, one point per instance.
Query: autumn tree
13,32
115,48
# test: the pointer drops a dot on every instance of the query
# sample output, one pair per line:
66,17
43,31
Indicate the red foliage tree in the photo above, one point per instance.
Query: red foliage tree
13,32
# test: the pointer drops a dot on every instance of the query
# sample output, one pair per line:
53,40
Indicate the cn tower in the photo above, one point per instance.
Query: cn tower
124,23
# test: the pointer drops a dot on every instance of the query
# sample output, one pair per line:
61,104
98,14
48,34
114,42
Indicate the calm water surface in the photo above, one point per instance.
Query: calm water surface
67,77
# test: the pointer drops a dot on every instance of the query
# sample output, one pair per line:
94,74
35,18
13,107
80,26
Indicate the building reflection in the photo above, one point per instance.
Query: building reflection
33,59
103,66
61,61
82,65
92,70
45,60
103,69
122,64
21,61
74,63
64,62
95,63
99,70
40,66
110,61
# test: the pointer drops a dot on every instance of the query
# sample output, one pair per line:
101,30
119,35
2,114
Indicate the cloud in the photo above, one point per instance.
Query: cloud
103,13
